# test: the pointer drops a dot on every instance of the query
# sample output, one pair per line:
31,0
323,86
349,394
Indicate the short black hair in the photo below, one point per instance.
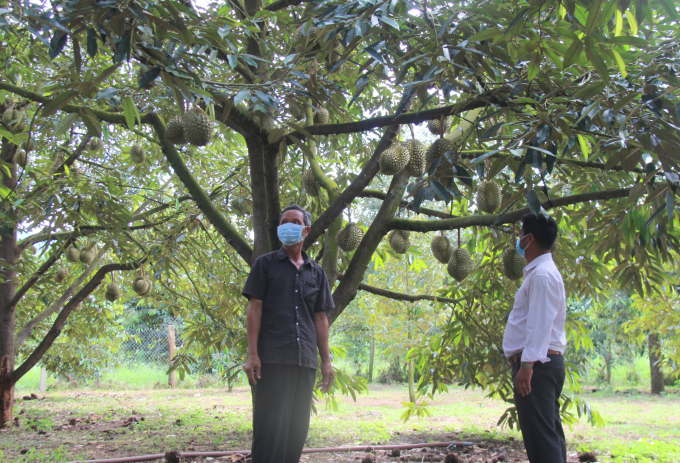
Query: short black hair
543,227
306,216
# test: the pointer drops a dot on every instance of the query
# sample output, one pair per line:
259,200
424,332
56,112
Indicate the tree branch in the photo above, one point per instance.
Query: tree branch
230,234
401,296
510,217
282,4
58,324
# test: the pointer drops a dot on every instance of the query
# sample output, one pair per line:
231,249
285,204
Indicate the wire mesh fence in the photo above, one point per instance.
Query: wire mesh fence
147,336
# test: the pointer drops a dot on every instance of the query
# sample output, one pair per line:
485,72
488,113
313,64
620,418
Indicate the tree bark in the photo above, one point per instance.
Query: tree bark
653,348
273,201
608,366
258,187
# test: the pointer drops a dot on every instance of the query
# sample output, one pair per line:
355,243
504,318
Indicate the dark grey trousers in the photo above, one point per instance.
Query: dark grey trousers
282,402
539,412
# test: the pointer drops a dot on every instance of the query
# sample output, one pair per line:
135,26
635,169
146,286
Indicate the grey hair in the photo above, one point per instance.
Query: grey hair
306,216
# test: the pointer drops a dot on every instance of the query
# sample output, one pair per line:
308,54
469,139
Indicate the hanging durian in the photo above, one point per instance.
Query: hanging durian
335,53
14,119
417,158
95,144
309,183
137,154
198,127
513,263
300,38
112,292
321,116
87,255
350,237
460,264
296,110
441,248
393,160
21,158
489,196
60,275
174,132
438,150
435,124
400,241
242,206
142,286
73,254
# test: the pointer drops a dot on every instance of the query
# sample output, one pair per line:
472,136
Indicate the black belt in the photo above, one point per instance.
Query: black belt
517,357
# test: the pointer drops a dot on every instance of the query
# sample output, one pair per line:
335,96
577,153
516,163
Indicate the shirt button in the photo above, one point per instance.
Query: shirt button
296,323
296,307
296,290
298,339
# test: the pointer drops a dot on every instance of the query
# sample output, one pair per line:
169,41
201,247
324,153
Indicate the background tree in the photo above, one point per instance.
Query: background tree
566,105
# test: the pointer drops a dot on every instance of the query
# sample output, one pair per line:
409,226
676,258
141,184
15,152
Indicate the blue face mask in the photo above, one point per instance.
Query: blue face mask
518,246
290,233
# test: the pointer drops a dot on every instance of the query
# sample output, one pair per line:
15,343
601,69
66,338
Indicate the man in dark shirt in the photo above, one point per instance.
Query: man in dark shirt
286,322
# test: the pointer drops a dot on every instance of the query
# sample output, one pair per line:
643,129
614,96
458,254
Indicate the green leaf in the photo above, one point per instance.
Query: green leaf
534,66
670,9
64,124
657,212
620,63
628,40
589,91
122,49
598,63
129,110
573,52
618,28
57,44
670,204
441,191
58,102
517,19
505,211
463,175
486,34
534,202
242,95
149,76
632,22
92,44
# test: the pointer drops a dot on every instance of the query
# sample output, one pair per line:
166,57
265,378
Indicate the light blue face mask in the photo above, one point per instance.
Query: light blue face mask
290,233
518,246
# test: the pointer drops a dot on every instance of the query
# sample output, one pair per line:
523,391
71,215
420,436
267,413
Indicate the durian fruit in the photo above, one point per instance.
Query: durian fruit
335,54
61,275
137,154
77,174
21,158
321,116
437,150
555,248
300,39
513,264
399,241
296,110
489,196
350,237
140,73
142,286
198,127
393,160
417,158
8,116
87,255
28,145
112,292
441,248
310,184
434,125
73,254
174,132
95,144
460,264
242,206
14,119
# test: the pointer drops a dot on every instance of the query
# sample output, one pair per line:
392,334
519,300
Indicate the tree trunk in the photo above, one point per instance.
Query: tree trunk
371,357
608,367
411,382
655,363
8,255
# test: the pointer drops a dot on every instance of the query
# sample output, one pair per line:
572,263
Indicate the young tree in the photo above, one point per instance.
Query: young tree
569,106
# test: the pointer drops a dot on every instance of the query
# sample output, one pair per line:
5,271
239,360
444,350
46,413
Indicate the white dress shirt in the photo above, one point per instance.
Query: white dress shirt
536,322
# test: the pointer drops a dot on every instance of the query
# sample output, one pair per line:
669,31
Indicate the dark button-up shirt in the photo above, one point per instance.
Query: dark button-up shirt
290,298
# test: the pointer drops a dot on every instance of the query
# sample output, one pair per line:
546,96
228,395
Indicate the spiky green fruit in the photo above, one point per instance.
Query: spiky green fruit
141,285
460,264
60,275
242,206
21,158
400,241
174,132
87,255
8,116
393,160
302,37
112,292
296,110
489,196
441,248
434,125
321,116
335,53
73,254
513,264
28,145
309,183
137,154
438,150
198,127
95,144
350,237
417,158
14,119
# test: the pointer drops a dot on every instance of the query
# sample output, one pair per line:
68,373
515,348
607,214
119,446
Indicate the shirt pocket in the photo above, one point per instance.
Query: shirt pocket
310,292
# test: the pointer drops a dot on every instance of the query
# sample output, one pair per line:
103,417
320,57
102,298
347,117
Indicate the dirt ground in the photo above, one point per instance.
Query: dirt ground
86,424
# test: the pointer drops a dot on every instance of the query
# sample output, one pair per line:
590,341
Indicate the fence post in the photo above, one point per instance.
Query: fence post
370,360
43,379
173,350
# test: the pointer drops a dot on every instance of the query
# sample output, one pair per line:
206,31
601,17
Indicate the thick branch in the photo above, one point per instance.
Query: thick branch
354,189
271,174
282,4
407,205
401,296
510,217
230,234
58,324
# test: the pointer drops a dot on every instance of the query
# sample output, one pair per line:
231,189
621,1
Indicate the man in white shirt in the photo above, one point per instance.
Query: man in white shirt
535,341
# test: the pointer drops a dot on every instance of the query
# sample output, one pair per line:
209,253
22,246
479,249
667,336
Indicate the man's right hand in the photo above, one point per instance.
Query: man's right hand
252,368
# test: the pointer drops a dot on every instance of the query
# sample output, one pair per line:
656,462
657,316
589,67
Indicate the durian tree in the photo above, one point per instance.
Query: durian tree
570,106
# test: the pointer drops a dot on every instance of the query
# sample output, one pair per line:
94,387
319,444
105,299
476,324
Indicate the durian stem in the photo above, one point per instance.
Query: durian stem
441,126
413,134
459,238
514,227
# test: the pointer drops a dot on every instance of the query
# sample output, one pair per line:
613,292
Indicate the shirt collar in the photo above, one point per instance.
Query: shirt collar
281,254
536,262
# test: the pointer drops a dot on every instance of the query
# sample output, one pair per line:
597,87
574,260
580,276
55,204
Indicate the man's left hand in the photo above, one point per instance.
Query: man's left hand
327,377
523,381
